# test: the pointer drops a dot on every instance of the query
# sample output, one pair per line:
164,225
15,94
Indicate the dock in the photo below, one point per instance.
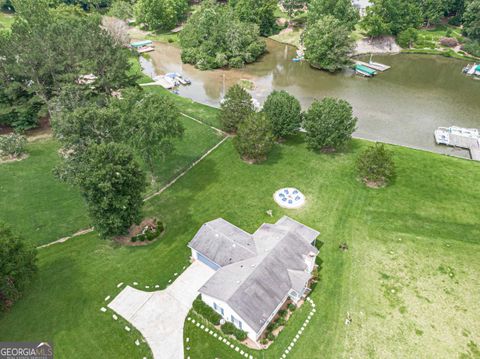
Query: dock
468,138
364,70
374,65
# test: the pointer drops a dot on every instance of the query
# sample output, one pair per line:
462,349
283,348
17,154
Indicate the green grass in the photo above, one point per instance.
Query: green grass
43,209
428,42
6,20
204,113
37,205
408,237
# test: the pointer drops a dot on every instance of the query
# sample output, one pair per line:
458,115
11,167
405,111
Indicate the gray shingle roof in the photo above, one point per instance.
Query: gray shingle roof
223,243
256,286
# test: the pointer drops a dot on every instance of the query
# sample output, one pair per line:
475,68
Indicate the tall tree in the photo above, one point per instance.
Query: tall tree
327,44
433,10
343,10
284,113
395,15
151,125
471,19
46,54
254,139
17,266
329,124
260,12
112,183
160,14
235,108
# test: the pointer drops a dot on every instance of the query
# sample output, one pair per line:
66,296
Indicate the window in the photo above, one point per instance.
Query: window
236,322
218,308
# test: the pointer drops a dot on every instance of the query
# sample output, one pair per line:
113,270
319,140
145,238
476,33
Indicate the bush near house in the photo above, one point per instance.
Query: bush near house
206,311
230,329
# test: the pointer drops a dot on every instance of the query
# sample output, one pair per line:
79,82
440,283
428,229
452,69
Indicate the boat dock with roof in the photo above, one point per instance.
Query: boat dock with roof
468,138
364,70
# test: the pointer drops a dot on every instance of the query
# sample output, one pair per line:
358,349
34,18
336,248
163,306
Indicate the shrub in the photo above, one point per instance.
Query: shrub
282,313
329,124
241,335
449,32
264,341
12,145
448,41
17,267
407,37
472,47
254,138
206,311
376,165
292,307
230,329
281,321
284,112
271,336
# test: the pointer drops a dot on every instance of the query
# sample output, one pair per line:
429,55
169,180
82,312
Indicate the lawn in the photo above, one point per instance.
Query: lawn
43,209
6,20
409,279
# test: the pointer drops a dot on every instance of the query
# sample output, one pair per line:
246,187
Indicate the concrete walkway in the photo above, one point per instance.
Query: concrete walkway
160,315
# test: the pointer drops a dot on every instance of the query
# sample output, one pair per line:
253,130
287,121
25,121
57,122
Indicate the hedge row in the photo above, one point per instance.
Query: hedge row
206,311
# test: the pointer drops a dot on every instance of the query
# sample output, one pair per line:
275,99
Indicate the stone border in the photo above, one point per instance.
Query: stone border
245,354
217,336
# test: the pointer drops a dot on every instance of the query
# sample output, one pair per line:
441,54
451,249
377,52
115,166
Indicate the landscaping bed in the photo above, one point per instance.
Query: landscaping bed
148,231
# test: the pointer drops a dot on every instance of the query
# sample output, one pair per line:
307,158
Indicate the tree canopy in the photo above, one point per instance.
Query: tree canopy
112,183
254,138
327,44
284,113
235,108
160,14
260,12
151,124
17,266
214,37
471,19
329,124
42,55
342,10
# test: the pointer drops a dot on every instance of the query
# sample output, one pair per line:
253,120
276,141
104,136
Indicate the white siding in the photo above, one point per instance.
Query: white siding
227,314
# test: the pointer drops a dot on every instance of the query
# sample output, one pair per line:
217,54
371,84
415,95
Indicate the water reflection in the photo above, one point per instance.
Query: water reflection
403,105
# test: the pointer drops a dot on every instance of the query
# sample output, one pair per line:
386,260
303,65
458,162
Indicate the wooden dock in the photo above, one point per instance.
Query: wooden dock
454,137
374,65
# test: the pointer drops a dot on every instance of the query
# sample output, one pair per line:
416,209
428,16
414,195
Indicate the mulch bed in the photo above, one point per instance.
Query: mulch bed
136,230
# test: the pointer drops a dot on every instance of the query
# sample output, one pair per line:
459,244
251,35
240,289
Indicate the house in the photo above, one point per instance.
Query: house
255,273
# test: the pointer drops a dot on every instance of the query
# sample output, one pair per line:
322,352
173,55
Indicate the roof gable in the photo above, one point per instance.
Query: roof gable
223,243
256,286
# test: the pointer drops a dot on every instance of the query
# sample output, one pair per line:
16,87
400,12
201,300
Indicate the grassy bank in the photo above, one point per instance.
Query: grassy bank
407,279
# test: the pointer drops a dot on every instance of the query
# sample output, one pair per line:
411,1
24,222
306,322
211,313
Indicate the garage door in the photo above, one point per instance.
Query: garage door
207,261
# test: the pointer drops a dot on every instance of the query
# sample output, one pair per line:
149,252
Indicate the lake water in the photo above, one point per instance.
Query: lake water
403,105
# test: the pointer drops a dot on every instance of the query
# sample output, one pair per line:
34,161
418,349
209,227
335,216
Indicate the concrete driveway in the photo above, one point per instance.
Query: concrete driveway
160,315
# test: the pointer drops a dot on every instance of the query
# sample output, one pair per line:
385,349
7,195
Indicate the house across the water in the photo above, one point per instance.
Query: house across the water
256,274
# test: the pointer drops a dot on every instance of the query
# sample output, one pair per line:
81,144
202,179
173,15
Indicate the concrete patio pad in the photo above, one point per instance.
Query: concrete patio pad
160,315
